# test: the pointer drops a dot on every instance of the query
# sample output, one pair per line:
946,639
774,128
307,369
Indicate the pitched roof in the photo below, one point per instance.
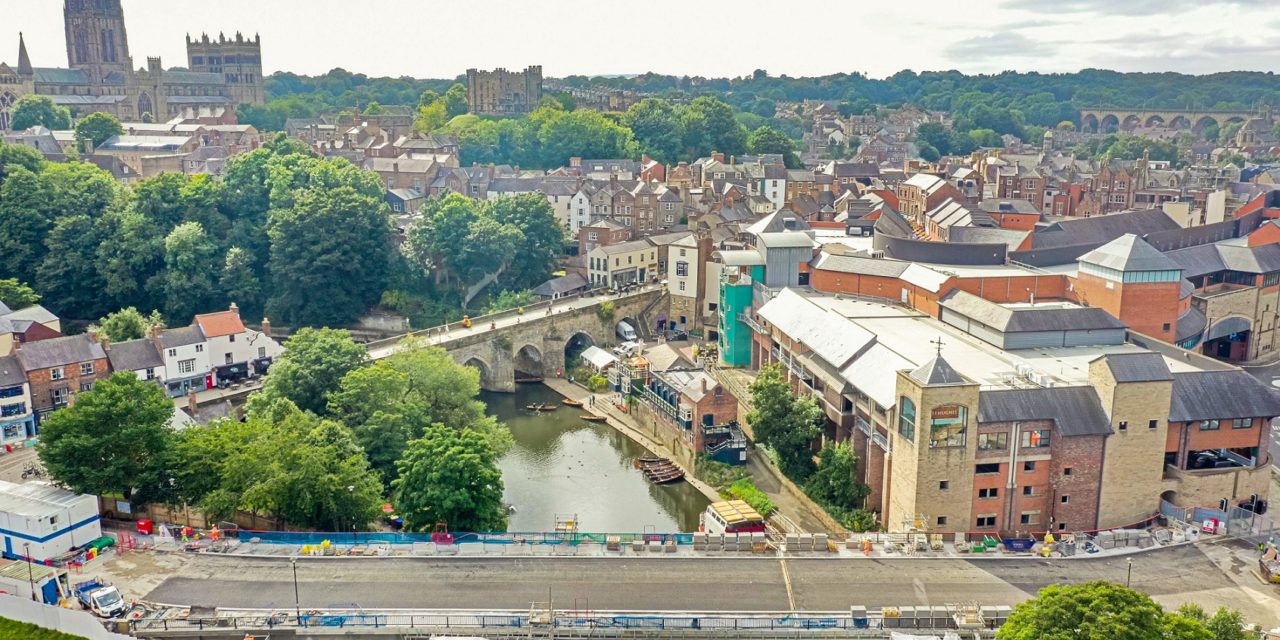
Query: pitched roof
1129,253
626,247
47,75
1099,230
134,355
1075,411
34,313
11,372
1221,395
1138,367
938,372
563,284
56,352
181,337
222,323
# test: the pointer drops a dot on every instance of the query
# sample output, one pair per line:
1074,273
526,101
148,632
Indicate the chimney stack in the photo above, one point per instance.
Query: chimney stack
266,326
704,384
234,307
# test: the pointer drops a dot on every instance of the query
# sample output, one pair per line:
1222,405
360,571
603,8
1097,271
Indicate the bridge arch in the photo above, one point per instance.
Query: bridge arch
1180,123
1203,122
1131,122
1156,120
1110,123
486,372
575,345
528,362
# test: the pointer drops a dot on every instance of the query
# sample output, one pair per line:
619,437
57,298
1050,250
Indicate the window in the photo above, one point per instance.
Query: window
1124,425
1028,518
226,359
682,252
682,285
1035,438
1029,466
591,235
262,352
942,521
56,373
985,469
150,374
993,440
943,485
173,353
1066,471
1028,490
85,386
907,419
231,338
86,368
1066,499
986,522
682,268
1165,327
187,366
1209,425
59,397
988,494
1242,423
1062,526
10,392
13,431
10,410
199,348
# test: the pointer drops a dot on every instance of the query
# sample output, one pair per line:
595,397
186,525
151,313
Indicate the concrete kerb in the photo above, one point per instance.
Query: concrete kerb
687,554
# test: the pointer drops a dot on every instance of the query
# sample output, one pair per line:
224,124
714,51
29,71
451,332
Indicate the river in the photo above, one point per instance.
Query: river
562,465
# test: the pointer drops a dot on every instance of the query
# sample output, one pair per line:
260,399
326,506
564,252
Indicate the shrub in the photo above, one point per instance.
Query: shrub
598,383
746,491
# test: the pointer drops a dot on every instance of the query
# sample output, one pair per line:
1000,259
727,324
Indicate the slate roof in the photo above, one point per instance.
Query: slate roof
1211,258
1102,229
561,285
34,313
11,373
1075,411
1191,323
191,77
1129,253
47,75
1029,319
1011,238
938,372
626,247
134,355
1138,367
181,337
1221,395
57,352
860,266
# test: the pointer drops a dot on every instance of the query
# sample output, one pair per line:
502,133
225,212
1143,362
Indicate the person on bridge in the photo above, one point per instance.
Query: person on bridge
493,325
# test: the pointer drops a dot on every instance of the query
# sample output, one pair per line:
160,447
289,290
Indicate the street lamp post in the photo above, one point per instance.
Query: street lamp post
31,580
297,604
1129,576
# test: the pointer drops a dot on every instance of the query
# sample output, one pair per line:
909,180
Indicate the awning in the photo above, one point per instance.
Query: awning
1228,326
598,358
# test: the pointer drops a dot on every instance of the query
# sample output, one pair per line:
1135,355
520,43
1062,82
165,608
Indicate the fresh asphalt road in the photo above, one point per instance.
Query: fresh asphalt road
715,584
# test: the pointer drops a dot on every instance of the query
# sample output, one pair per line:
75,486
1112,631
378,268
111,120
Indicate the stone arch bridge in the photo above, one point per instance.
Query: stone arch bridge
1108,120
533,342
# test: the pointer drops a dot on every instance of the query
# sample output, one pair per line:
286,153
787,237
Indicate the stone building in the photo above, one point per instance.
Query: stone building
504,93
101,75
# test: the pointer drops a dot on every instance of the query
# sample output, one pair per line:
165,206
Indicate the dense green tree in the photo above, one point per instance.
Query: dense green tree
455,100
311,368
115,438
541,237
77,188
239,282
329,256
584,134
767,139
131,260
17,295
23,225
191,272
785,424
96,128
431,117
307,471
13,156
934,134
657,128
435,242
1094,610
68,276
710,125
835,481
35,110
450,476
127,324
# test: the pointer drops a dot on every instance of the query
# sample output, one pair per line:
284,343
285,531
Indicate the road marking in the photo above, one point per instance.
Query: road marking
786,579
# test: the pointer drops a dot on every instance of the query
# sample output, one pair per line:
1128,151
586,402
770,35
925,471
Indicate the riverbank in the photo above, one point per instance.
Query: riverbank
625,425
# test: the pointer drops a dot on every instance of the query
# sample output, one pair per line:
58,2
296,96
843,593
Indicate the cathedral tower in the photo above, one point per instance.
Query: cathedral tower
96,39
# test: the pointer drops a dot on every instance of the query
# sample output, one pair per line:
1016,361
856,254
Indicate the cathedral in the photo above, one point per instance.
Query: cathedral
221,73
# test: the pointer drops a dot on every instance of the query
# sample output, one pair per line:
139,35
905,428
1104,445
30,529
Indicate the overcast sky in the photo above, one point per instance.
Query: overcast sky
714,38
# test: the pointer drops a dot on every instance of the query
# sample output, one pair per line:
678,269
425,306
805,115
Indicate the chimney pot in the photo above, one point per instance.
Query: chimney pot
234,307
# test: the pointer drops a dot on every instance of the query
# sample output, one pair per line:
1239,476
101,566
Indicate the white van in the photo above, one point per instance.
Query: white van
626,332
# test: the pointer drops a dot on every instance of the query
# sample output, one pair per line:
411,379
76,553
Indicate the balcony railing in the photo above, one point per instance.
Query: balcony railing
746,319
880,440
863,425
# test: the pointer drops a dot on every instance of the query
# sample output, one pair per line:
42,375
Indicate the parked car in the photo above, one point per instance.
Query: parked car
101,598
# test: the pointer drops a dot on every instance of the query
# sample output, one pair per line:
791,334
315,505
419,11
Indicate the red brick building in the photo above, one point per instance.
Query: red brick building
59,368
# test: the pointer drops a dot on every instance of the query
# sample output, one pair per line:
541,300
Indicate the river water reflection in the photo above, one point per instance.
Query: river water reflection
562,465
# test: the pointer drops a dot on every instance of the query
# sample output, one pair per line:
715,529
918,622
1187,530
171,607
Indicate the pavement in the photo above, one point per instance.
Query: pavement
12,464
1210,575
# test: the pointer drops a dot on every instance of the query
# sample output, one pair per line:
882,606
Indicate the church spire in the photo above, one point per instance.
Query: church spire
24,60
